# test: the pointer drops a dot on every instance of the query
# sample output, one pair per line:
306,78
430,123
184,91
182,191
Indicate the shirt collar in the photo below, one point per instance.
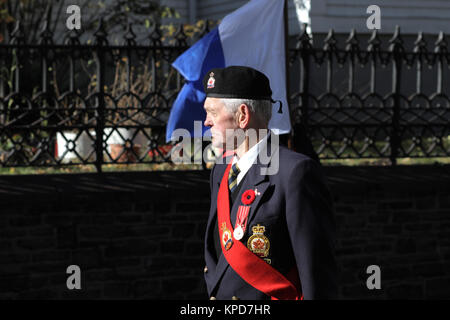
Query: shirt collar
246,161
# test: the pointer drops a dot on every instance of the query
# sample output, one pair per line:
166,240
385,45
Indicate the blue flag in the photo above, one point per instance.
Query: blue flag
252,36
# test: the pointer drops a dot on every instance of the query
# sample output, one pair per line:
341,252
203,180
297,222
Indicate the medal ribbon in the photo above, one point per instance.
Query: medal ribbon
242,217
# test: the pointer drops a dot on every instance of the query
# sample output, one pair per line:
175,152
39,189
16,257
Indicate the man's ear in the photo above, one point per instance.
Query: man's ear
244,116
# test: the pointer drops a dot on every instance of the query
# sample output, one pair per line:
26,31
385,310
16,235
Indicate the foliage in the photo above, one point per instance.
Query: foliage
115,13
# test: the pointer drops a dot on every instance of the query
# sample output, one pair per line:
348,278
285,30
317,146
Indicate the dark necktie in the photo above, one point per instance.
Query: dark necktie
232,177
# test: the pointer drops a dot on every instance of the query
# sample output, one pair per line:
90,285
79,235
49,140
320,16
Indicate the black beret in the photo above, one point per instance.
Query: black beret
237,82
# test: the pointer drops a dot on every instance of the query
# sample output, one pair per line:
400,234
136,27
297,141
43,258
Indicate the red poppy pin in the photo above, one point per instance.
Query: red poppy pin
248,197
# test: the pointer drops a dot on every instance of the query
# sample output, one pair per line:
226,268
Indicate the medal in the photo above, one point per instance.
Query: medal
241,222
227,241
238,233
258,243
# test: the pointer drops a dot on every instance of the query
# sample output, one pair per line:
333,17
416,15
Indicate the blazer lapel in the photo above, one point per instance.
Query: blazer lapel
254,180
258,179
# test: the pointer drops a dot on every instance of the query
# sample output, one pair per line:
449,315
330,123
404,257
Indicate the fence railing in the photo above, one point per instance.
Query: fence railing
100,103
374,100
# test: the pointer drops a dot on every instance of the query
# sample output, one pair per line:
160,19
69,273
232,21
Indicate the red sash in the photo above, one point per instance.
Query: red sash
245,263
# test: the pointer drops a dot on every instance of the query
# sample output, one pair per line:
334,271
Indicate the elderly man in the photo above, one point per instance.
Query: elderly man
270,232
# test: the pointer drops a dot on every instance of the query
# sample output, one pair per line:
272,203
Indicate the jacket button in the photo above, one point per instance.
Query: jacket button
235,298
212,298
205,270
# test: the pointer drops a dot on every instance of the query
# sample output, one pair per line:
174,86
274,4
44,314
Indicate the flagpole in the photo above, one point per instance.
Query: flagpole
286,54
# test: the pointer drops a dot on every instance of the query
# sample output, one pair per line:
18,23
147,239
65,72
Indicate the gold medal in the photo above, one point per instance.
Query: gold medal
258,243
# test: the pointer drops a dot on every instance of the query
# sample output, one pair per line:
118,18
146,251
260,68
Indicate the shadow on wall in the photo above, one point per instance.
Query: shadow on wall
139,235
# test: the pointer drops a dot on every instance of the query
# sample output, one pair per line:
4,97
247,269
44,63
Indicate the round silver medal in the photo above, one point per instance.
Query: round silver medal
238,233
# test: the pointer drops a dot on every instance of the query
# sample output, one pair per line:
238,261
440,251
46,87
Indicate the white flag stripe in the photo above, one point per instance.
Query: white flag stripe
253,36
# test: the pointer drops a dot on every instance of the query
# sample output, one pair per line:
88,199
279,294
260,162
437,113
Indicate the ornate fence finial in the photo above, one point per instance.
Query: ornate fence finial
374,41
155,34
304,40
100,34
180,36
46,35
420,45
330,41
204,29
18,36
352,42
72,38
396,42
129,36
441,43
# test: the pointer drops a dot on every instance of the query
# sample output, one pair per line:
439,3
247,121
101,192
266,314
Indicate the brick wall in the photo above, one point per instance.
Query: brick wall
398,219
139,235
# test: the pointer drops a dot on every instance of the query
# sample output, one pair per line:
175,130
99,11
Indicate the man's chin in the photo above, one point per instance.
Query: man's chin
220,145
217,144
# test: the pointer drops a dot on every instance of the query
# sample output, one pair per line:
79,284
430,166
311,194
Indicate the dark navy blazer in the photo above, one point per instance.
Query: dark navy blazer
295,207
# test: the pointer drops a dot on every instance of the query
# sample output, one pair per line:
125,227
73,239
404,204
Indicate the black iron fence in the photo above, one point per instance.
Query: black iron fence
92,103
373,99
100,103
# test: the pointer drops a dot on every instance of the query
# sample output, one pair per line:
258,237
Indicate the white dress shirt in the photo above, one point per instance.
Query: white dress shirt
249,158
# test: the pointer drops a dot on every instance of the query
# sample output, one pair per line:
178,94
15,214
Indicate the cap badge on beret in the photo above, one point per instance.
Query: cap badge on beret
211,81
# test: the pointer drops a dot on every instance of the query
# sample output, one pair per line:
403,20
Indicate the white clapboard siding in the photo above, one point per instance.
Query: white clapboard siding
217,9
429,16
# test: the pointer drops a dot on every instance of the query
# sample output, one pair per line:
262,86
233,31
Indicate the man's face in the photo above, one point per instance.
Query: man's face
219,120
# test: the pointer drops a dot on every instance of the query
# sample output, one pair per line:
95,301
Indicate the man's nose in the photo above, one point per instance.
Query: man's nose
208,122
